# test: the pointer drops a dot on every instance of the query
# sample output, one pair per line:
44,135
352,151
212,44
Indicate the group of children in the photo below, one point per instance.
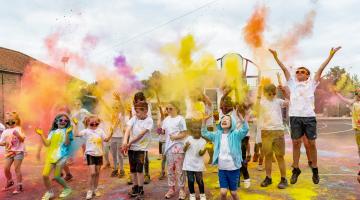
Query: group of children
183,142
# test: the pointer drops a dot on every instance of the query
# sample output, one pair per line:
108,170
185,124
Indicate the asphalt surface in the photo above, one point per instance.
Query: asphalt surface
338,167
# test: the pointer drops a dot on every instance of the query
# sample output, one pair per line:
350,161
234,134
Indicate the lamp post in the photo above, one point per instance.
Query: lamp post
64,60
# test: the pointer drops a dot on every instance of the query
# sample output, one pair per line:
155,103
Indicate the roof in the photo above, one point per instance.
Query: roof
15,62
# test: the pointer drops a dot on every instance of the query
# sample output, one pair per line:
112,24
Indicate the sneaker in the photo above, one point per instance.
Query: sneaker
19,189
147,179
134,191
162,176
255,157
267,181
114,173
182,194
295,174
202,197
140,195
192,197
97,192
68,177
247,183
129,181
283,183
65,193
9,184
89,194
170,194
48,195
315,176
121,174
260,168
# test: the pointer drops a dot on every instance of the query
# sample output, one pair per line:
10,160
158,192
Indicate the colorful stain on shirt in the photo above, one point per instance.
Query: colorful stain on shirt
57,148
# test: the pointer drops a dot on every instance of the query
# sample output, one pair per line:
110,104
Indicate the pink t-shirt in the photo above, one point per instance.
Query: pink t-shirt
13,143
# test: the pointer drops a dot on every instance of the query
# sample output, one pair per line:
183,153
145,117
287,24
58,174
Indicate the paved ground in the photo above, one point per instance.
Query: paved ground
338,163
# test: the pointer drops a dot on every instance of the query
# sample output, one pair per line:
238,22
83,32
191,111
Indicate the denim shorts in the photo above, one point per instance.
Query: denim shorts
229,179
17,156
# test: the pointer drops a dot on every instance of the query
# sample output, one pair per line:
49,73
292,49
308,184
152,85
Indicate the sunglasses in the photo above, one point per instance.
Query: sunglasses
11,122
169,109
62,121
94,124
272,94
301,72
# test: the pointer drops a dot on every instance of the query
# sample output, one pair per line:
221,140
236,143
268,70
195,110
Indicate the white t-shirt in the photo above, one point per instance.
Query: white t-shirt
13,142
119,129
193,161
302,97
173,126
271,115
138,126
94,141
226,162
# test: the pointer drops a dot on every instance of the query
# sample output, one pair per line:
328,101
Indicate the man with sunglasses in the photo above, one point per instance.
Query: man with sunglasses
301,111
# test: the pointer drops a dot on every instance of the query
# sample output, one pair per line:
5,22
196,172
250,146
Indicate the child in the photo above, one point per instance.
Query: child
272,132
94,137
13,140
138,129
227,153
58,143
227,108
174,127
355,103
118,119
301,111
140,97
194,163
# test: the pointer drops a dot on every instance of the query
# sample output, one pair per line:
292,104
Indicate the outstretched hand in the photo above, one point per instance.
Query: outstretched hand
69,129
334,50
39,131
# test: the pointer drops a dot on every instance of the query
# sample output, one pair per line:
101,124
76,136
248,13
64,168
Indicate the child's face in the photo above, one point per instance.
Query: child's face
94,123
10,121
196,133
141,112
270,95
226,122
62,122
171,110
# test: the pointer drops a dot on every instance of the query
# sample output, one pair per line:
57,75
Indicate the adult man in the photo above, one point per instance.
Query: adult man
301,111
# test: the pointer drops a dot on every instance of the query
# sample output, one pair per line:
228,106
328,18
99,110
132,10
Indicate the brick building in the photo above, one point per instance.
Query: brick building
12,66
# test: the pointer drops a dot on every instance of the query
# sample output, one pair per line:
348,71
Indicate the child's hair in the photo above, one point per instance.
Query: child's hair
58,116
194,125
306,69
15,115
86,121
268,88
139,96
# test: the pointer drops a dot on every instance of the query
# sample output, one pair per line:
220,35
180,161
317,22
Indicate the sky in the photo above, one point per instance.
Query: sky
139,28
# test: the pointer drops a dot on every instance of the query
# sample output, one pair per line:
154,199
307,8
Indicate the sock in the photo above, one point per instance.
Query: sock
315,170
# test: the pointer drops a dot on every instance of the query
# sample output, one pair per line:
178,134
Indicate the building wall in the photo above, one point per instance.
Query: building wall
10,84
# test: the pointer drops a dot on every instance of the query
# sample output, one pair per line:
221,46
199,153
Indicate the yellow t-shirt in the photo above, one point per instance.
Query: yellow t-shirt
356,115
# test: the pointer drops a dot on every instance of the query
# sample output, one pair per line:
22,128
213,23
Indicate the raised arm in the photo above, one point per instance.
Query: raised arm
325,63
281,65
242,132
210,135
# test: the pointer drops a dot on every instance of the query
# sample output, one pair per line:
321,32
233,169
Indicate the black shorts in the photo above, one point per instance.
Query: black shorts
161,147
303,126
136,161
94,160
